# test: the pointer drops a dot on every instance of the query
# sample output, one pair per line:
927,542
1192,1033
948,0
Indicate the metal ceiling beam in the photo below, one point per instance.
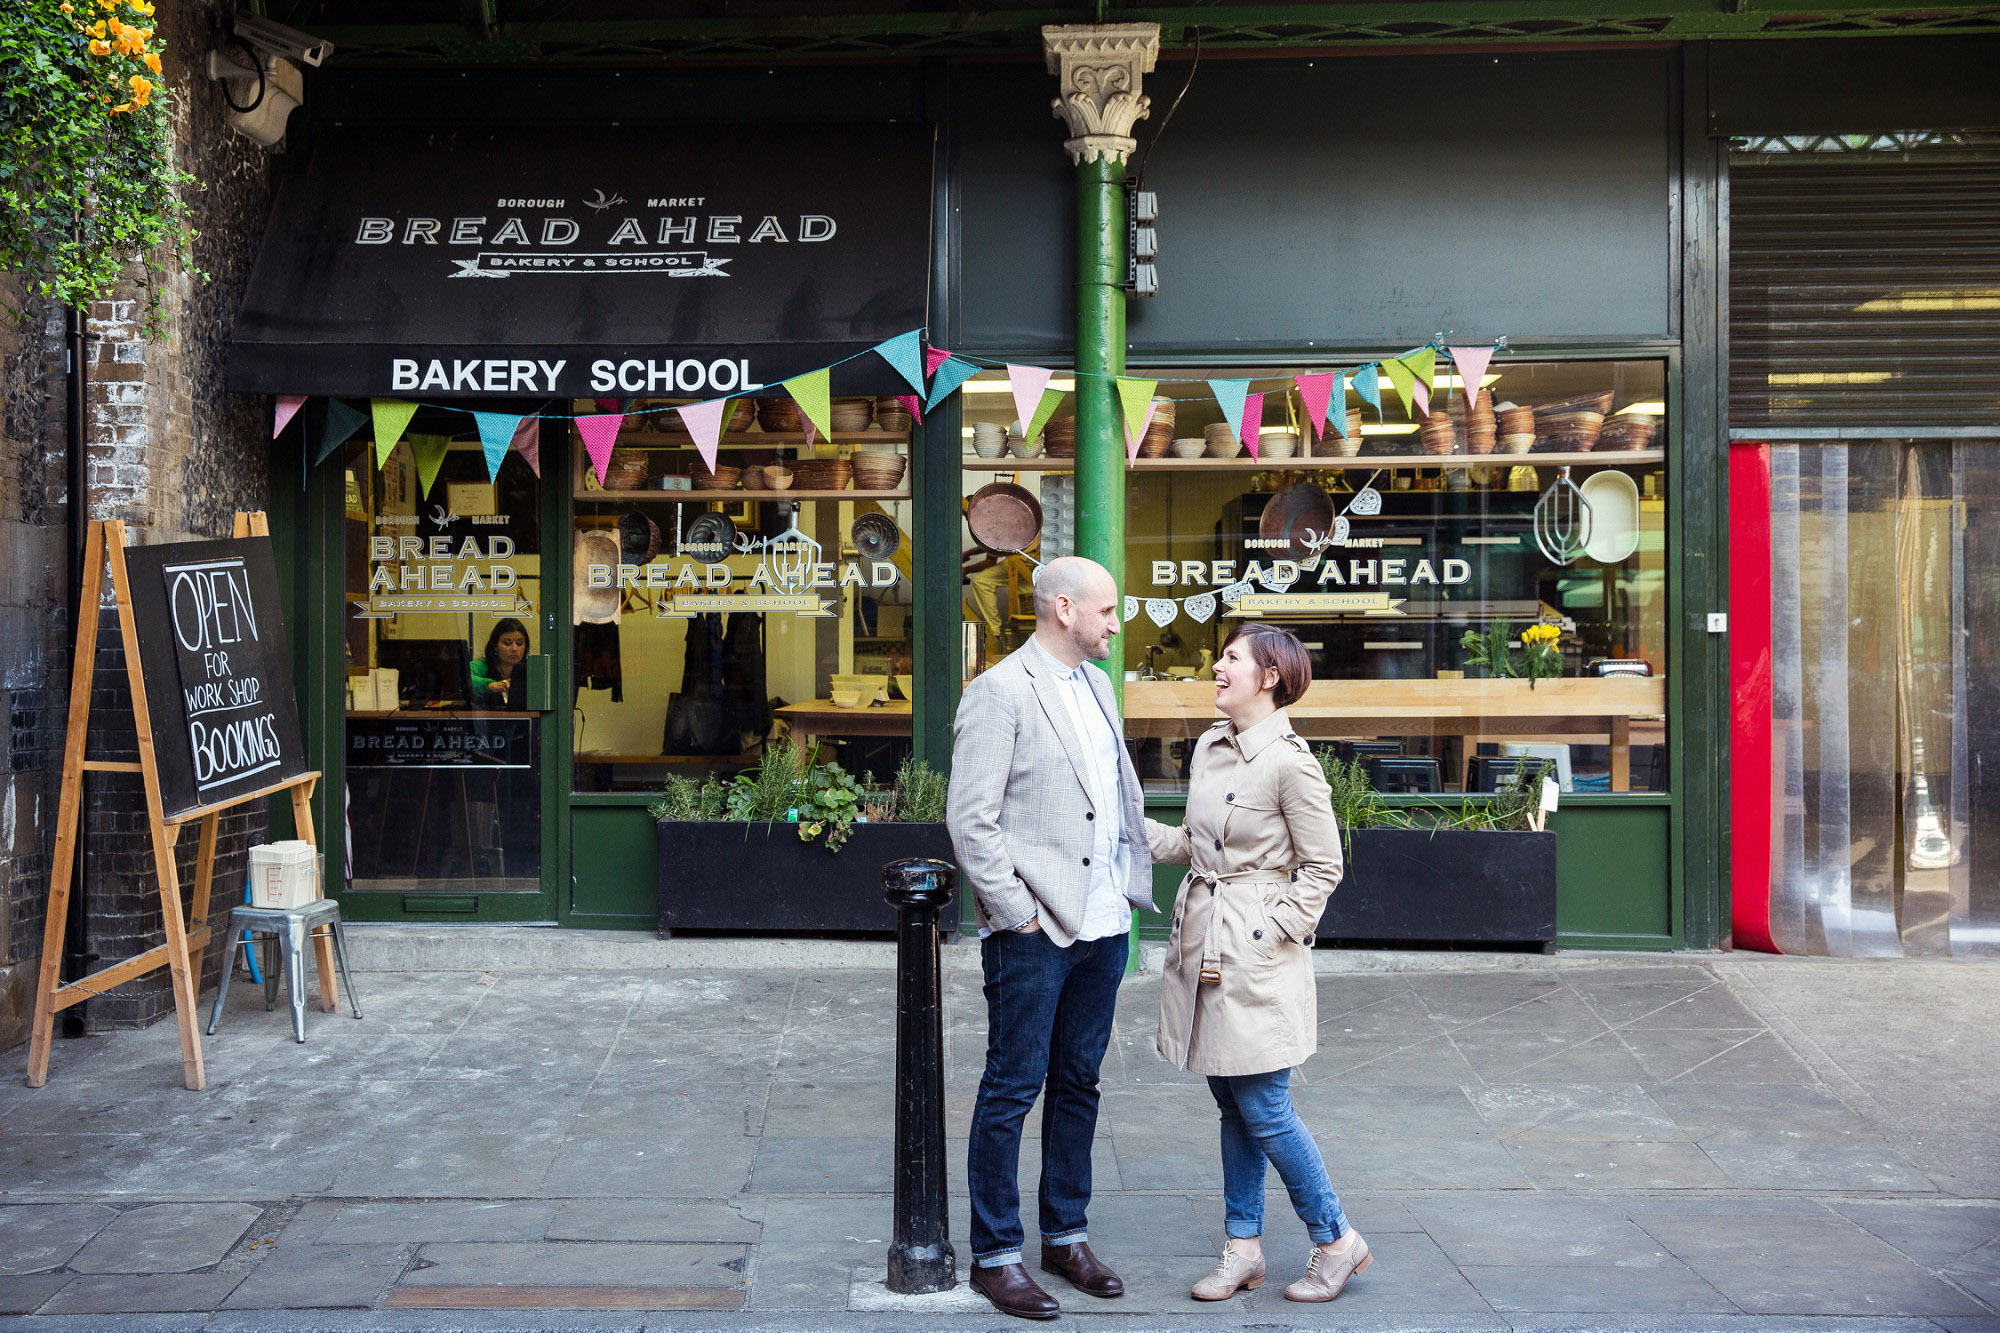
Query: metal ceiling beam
1245,27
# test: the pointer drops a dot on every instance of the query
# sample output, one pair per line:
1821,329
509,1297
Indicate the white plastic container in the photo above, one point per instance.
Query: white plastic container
284,874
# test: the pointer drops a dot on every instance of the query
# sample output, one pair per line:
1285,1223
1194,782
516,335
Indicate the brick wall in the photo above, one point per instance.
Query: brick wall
174,457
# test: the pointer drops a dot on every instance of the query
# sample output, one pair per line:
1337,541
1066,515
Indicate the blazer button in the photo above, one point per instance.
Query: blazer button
1230,797
1256,934
1218,844
1090,814
1086,860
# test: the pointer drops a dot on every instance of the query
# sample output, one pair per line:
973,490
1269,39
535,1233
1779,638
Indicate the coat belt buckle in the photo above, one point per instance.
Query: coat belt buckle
1211,976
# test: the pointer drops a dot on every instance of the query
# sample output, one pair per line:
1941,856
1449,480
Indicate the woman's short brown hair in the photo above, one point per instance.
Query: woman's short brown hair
1279,650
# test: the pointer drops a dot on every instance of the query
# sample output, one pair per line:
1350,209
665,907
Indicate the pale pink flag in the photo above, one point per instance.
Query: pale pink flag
933,358
527,442
1028,383
704,422
1420,398
1131,440
1315,391
1253,420
599,434
1471,363
288,407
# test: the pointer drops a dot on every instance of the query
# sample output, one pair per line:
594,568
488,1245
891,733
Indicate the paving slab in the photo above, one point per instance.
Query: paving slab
1805,1266
37,1237
142,1293
1657,1289
167,1238
25,1293
711,1166
657,1220
1567,1162
1869,1166
578,1264
1932,1232
439,1219
321,1276
1583,1111
1535,1230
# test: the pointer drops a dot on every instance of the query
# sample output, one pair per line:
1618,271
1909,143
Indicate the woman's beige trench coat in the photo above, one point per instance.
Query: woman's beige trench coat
1263,853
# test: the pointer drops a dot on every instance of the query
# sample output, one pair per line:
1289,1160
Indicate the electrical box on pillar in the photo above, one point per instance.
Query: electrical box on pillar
1142,243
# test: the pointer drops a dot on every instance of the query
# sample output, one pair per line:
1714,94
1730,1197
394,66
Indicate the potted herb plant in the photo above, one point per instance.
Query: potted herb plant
1481,870
795,844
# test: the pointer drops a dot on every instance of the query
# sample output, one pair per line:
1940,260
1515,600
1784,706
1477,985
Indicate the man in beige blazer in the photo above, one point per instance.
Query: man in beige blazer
1046,817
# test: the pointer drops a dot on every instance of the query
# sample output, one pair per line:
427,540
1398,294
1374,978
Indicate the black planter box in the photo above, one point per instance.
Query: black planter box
1447,886
760,878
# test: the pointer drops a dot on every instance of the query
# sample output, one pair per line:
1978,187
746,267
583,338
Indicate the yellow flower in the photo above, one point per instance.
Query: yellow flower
153,61
141,8
100,48
67,7
122,106
96,29
117,28
107,4
1541,634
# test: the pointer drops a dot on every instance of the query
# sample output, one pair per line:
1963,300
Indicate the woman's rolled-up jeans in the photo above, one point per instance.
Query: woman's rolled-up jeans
1259,1126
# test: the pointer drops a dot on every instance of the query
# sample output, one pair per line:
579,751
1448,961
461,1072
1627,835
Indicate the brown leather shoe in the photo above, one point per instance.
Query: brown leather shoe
1013,1292
1082,1268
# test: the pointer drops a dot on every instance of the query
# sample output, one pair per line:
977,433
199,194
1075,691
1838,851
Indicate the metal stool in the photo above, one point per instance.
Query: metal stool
292,926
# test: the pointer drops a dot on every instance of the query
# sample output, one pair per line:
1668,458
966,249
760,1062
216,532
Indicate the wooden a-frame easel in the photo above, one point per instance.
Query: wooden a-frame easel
181,954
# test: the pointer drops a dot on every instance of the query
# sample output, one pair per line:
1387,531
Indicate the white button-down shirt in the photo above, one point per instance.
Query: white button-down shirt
1105,911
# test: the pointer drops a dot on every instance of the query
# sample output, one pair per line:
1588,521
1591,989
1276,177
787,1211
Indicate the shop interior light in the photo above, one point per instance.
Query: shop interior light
1802,377
1961,298
1391,428
1652,408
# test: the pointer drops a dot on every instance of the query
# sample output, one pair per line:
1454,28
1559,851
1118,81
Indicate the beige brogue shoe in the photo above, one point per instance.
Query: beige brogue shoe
1233,1273
1329,1267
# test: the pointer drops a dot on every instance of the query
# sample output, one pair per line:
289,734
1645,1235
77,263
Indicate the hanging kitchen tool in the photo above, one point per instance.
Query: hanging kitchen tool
1005,519
710,538
1300,515
638,538
791,556
875,536
1562,520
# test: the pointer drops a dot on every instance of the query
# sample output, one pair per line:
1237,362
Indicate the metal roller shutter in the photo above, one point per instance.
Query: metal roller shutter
1864,286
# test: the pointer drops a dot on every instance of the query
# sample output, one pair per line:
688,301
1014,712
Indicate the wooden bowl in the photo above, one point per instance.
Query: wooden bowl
725,477
1630,431
878,471
1599,403
891,415
777,478
851,414
1573,432
779,414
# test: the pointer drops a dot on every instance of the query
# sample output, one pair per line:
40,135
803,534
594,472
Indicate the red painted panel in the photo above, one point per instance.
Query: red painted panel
1750,794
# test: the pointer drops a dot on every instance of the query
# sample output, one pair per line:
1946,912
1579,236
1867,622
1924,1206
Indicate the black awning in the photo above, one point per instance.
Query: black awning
588,261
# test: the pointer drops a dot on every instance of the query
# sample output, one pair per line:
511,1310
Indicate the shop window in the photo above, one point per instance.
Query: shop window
769,597
1383,549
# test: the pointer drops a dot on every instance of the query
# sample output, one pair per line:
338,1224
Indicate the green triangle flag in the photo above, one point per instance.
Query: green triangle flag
1051,400
1135,396
1405,381
338,426
430,452
392,418
809,391
1423,364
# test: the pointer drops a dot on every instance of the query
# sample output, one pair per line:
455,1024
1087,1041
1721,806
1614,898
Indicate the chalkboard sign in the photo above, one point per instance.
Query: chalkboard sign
218,674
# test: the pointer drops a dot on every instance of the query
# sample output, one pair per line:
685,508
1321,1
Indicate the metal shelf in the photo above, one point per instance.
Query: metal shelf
1245,463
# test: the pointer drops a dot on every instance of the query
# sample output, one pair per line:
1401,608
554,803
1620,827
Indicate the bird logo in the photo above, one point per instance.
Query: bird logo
600,203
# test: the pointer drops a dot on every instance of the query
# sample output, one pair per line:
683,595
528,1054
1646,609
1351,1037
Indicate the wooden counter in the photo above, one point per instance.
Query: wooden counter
822,717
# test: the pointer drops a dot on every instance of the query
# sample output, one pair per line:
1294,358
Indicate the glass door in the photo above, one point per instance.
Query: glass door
446,678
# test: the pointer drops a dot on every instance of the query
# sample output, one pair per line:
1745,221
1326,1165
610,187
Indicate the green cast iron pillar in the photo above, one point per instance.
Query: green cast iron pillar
1100,67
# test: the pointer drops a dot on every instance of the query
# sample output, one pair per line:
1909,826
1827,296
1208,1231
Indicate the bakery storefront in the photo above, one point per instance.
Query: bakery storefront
525,596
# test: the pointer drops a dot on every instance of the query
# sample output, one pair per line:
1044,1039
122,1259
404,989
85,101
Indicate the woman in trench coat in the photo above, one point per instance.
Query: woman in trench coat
1236,998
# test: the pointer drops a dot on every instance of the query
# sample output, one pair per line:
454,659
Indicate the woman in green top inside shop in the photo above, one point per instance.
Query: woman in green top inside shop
498,678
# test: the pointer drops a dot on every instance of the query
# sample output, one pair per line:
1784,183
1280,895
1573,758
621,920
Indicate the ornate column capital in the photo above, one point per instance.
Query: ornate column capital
1100,67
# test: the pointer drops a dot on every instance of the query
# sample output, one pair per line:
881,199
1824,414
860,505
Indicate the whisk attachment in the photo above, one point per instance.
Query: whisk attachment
1562,520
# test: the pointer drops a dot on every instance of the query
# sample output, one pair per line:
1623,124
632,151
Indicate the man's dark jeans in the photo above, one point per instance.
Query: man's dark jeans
1048,1019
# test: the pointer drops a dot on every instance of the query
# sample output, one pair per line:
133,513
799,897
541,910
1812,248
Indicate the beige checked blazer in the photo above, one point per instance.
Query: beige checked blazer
1020,812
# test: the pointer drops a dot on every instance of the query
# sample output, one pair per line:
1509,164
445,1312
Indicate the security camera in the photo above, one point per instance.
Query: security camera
278,40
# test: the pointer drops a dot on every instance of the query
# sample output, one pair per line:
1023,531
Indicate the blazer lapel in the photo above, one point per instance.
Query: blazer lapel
1057,712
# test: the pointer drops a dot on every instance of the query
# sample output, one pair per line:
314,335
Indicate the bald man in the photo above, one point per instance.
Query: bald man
1046,818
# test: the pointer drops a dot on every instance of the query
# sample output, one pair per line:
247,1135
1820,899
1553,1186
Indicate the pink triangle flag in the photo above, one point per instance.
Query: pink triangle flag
1315,391
933,358
914,403
704,422
1421,396
1471,363
288,407
1253,420
1133,437
1028,383
599,434
528,443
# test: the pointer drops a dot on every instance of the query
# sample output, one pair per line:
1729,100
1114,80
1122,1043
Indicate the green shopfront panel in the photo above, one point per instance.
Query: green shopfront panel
613,867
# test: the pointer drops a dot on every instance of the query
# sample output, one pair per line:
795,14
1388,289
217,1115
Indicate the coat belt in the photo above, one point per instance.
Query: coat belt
1211,946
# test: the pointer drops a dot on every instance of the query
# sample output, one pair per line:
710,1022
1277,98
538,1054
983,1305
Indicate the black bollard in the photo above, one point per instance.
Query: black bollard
920,1254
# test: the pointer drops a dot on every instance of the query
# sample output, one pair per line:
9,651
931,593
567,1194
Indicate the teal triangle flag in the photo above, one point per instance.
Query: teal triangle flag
905,355
338,427
496,436
1229,395
951,373
1368,383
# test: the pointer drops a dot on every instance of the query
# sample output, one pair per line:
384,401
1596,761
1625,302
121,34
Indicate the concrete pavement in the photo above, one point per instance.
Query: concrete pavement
1571,1142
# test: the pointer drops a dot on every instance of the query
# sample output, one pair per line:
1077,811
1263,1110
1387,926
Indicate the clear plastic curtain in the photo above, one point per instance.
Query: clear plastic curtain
1885,572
